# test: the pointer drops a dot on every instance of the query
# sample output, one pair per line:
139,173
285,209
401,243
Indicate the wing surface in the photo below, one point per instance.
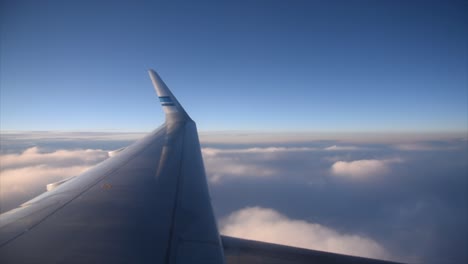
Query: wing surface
242,251
148,203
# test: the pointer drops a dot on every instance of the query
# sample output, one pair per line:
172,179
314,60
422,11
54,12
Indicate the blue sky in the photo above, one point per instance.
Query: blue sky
241,65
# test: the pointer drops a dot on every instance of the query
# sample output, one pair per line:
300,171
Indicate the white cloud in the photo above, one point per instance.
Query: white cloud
340,148
268,225
361,169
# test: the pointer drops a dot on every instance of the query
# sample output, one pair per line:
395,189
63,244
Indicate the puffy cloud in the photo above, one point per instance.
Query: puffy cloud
360,169
268,225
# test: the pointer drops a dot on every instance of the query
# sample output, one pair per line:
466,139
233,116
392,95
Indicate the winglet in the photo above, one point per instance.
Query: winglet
172,108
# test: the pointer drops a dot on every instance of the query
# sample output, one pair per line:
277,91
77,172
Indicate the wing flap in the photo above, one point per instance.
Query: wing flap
243,251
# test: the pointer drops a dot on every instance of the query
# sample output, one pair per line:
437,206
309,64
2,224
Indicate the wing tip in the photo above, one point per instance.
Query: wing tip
158,84
171,106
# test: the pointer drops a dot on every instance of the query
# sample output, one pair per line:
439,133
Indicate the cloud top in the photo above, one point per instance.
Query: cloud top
361,169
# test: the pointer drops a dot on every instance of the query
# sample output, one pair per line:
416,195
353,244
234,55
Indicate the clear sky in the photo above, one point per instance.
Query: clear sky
240,65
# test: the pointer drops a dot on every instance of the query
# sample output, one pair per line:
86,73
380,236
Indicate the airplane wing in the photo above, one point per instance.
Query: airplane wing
147,203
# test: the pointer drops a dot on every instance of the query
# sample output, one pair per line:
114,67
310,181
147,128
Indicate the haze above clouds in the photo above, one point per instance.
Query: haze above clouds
395,200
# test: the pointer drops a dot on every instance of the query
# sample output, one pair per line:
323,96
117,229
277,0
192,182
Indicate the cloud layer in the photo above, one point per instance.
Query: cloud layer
416,209
268,225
